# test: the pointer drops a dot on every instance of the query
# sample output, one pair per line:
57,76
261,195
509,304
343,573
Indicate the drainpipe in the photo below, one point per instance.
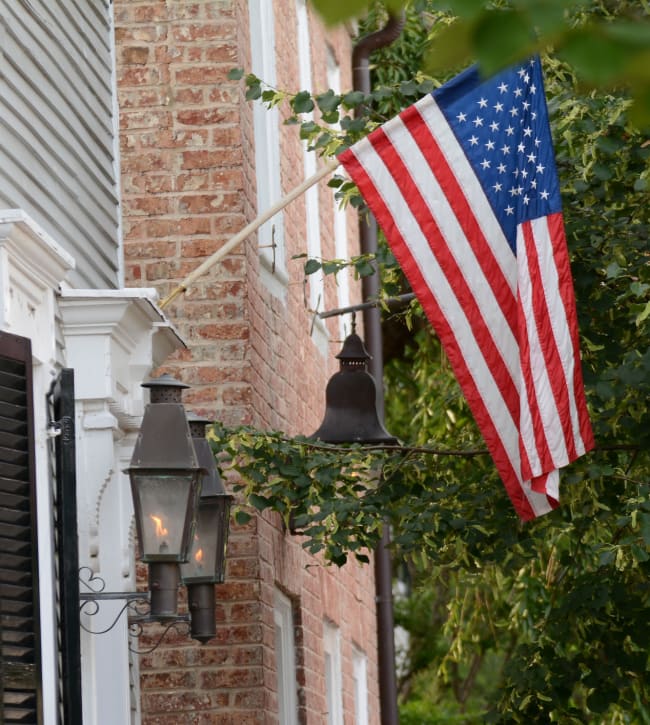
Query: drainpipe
373,339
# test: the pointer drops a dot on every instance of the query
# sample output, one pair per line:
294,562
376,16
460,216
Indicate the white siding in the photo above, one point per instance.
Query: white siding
57,127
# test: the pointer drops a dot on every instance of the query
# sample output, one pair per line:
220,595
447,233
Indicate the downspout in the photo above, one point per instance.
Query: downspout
373,339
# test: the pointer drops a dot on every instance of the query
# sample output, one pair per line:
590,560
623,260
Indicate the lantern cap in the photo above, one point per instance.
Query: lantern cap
198,424
353,350
164,381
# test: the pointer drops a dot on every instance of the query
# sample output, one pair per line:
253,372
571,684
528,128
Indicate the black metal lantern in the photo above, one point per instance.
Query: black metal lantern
206,564
351,401
165,481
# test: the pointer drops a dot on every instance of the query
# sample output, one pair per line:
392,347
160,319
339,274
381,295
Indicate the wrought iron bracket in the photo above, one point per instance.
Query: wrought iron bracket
136,605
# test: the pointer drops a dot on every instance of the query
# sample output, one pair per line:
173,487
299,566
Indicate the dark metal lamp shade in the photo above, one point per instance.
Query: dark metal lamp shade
351,401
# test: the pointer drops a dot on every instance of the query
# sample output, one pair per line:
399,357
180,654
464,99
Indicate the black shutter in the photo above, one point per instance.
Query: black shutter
62,421
20,654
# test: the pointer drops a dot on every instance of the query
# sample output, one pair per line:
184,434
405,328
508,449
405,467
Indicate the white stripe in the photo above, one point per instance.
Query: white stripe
458,244
444,294
546,405
560,325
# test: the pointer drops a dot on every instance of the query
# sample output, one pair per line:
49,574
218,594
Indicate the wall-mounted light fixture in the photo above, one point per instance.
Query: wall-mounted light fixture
206,564
181,514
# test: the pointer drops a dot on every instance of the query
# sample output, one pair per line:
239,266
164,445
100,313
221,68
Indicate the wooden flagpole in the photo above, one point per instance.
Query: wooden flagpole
248,230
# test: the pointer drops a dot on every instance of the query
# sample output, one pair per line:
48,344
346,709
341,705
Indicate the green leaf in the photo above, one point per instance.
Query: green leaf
235,74
302,102
311,266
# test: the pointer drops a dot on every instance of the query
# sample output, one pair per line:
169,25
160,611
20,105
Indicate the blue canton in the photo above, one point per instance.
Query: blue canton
502,125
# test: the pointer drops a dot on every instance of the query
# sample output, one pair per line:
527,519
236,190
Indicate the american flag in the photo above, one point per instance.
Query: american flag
465,187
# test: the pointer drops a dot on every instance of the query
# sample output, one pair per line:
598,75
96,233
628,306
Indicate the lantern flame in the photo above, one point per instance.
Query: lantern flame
160,529
198,557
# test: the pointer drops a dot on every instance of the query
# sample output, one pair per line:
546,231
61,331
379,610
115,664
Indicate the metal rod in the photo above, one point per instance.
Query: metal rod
390,301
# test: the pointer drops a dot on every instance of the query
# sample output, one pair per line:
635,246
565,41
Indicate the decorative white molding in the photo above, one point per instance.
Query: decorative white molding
32,267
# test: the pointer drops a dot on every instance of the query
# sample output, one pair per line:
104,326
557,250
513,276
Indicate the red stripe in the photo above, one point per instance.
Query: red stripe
410,268
464,213
440,247
548,345
561,257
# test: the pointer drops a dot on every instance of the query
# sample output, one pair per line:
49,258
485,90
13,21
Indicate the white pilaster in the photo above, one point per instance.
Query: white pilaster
113,339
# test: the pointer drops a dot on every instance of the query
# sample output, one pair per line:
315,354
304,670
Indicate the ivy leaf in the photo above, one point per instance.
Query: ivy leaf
302,102
312,266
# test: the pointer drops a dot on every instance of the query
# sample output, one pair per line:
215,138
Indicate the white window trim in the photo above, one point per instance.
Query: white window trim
340,215
360,679
266,133
286,659
333,674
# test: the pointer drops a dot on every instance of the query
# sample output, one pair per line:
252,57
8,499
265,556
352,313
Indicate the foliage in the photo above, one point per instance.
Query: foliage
544,622
607,42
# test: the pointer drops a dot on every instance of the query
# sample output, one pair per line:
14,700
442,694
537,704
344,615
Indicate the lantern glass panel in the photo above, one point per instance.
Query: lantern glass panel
164,510
206,562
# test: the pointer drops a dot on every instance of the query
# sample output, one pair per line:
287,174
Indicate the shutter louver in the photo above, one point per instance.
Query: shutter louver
19,622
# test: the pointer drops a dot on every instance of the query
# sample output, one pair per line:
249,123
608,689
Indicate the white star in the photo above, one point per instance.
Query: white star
510,210
528,131
514,112
533,115
515,173
521,148
524,174
485,164
518,92
461,117
514,191
490,145
544,194
505,149
478,121
537,143
540,169
482,103
526,199
525,105
494,126
533,88
521,72
501,168
526,78
497,186
498,107
474,141
503,87
531,157
533,184
510,130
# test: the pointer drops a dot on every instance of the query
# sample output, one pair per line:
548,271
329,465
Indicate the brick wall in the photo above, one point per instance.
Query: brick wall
188,184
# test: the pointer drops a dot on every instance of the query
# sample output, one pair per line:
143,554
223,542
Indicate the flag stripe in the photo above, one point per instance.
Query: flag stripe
422,270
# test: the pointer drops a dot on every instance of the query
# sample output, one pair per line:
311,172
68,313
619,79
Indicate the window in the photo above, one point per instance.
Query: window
285,653
360,682
333,681
20,658
267,146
